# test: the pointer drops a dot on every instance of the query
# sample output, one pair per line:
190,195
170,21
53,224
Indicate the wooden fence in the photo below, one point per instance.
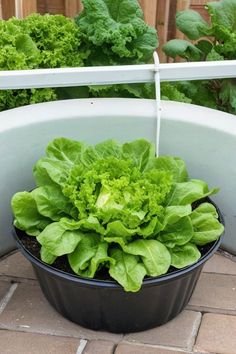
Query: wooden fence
158,13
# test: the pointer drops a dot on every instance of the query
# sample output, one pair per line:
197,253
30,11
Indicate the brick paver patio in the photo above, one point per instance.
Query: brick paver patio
29,325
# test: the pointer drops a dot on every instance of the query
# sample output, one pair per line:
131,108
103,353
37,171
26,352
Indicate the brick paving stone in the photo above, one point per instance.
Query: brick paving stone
217,334
23,343
220,264
28,310
180,332
4,286
99,347
215,293
16,265
125,348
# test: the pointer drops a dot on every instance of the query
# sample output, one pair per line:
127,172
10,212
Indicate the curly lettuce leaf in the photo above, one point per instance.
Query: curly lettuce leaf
115,32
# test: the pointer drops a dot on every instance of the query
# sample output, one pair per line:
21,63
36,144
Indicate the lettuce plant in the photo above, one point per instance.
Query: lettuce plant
207,41
116,207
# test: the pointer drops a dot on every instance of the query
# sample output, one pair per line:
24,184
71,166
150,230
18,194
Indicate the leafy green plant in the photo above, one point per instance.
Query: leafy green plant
116,207
37,42
211,41
105,33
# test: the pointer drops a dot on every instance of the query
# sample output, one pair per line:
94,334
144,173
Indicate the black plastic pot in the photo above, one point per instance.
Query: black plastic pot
104,305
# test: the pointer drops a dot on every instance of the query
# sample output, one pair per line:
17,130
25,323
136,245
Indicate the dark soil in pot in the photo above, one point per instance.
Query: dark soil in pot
102,304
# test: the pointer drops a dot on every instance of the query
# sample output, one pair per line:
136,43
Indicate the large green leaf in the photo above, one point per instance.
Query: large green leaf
155,256
188,192
49,171
127,270
182,48
64,149
192,24
26,214
139,151
117,229
52,203
223,13
175,166
57,240
184,256
91,223
206,225
89,255
177,234
176,212
105,149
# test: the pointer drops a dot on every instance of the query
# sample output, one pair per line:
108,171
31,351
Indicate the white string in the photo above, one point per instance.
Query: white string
158,100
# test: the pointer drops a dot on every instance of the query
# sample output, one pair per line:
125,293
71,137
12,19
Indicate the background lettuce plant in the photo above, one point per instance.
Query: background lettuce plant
105,33
209,41
116,207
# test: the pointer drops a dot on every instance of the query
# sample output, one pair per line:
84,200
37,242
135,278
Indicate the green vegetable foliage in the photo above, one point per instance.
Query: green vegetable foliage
212,41
116,207
106,32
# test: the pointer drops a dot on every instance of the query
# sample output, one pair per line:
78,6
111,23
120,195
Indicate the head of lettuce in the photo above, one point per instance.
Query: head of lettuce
118,207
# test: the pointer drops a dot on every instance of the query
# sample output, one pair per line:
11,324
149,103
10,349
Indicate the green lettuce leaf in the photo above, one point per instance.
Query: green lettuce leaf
206,225
57,240
184,256
46,256
182,48
65,150
192,24
188,192
49,171
127,270
89,255
139,151
174,166
27,216
52,203
155,256
115,32
175,213
177,234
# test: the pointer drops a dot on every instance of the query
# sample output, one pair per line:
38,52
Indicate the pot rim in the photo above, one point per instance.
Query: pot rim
112,283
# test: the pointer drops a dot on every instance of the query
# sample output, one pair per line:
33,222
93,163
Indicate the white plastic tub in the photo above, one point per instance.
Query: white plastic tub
204,138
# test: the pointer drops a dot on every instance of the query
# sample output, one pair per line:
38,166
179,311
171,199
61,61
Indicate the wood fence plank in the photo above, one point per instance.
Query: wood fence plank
0,9
149,8
72,7
181,5
163,7
8,8
29,7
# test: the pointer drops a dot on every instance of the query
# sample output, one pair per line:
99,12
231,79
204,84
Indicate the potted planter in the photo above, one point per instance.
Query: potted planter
116,212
